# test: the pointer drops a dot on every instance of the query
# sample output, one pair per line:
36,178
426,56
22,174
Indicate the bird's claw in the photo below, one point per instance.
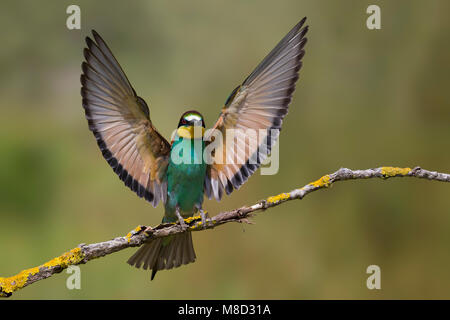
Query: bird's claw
204,215
183,224
148,230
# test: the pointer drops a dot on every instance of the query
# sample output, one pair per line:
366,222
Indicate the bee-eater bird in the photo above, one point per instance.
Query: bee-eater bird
144,160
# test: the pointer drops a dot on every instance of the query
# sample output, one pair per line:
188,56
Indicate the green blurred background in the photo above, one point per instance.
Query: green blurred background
365,99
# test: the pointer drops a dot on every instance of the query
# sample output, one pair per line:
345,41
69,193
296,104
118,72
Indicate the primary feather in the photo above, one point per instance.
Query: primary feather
121,124
259,103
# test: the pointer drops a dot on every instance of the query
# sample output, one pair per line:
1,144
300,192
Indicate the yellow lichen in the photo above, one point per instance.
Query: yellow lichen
278,198
33,271
199,224
130,234
11,284
394,171
74,256
322,182
192,219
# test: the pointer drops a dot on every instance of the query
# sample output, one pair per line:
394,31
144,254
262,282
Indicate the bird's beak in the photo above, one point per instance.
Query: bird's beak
191,132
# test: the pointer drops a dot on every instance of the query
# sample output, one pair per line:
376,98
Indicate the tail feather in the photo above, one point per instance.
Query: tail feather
164,254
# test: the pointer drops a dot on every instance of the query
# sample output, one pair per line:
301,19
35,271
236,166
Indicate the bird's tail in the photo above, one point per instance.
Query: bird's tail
164,253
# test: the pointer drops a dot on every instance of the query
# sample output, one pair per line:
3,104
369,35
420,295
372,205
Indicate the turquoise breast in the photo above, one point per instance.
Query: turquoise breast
185,178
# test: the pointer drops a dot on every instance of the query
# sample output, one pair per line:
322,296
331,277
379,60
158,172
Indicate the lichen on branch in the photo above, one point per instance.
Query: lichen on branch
141,234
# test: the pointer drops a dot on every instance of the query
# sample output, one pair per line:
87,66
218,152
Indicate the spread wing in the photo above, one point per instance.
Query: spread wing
121,124
259,103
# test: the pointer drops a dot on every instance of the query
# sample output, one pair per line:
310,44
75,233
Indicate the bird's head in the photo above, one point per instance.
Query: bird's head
191,125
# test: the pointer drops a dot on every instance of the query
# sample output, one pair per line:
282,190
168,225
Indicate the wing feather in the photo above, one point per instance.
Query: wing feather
121,124
259,103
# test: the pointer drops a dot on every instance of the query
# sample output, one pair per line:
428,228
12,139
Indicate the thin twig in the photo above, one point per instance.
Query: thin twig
86,252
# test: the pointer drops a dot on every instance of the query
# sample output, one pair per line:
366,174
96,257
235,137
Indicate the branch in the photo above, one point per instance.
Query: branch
87,252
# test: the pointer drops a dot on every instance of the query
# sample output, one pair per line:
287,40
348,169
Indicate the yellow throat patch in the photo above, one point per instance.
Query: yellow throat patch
191,132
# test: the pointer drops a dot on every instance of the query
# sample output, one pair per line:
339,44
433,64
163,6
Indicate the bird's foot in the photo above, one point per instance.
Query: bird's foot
183,224
148,230
204,214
